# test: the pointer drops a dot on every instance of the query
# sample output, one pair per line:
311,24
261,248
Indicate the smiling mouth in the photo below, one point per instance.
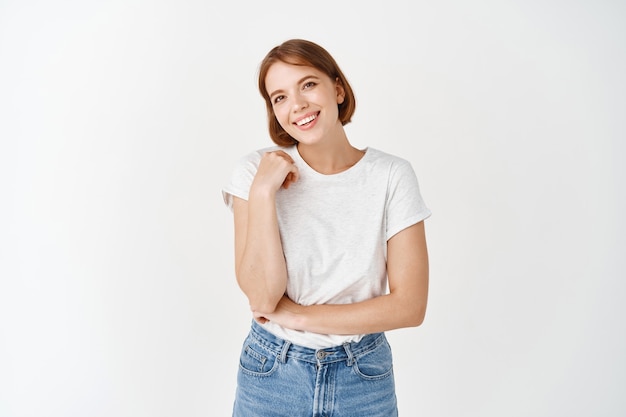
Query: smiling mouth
307,120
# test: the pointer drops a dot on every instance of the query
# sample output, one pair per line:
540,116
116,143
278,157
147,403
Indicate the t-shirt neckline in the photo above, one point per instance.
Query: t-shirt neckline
348,171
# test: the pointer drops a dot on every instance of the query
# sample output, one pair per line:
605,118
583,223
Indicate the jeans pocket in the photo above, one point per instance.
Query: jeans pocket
256,360
374,364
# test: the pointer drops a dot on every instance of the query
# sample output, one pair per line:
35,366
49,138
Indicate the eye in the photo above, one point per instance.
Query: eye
309,84
278,99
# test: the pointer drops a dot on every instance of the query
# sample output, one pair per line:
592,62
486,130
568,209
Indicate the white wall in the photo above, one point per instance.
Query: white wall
121,120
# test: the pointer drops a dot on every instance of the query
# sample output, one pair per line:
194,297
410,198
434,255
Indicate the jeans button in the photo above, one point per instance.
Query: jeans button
320,354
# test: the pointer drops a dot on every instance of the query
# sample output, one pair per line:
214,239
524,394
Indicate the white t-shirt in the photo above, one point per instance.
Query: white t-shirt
334,230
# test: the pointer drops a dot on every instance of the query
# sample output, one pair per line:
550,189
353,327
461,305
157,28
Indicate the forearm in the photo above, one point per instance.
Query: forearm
404,306
387,312
262,272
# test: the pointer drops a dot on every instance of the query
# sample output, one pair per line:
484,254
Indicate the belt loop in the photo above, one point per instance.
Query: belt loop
283,351
346,347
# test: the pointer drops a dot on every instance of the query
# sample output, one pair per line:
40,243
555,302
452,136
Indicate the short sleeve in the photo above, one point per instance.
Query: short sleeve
241,179
405,205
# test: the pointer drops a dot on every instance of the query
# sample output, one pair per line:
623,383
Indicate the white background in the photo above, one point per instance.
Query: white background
120,121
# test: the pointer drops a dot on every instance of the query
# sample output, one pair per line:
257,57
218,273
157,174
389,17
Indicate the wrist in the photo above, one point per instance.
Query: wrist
300,319
261,193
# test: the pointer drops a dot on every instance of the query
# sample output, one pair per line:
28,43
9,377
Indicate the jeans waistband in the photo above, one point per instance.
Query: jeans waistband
285,349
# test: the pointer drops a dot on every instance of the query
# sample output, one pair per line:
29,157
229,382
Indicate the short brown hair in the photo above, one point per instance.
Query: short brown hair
307,53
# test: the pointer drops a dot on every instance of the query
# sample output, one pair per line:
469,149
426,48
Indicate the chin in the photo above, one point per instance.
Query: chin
308,140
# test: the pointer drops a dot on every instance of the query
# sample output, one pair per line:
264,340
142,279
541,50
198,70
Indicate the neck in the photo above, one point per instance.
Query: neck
332,156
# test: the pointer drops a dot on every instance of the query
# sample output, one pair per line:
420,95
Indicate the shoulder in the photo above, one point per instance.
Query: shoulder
377,154
387,161
243,174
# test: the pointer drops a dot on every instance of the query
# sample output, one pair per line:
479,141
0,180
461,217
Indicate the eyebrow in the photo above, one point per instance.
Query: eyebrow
300,81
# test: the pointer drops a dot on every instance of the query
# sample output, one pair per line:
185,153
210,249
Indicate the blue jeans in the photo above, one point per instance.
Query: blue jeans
277,378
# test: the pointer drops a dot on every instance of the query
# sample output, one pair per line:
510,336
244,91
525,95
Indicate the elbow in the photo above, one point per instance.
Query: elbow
264,303
409,310
416,316
417,320
262,307
261,298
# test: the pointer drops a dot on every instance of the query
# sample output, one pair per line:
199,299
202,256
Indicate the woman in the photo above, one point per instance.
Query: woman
329,249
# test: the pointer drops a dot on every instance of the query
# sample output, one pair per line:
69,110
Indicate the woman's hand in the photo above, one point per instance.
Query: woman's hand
287,313
276,170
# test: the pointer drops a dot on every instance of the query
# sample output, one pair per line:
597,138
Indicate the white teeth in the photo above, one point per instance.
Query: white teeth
306,120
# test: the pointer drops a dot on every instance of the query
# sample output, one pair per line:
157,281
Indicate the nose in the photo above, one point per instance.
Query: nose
299,103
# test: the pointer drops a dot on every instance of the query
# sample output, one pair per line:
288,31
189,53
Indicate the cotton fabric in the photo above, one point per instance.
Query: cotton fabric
334,230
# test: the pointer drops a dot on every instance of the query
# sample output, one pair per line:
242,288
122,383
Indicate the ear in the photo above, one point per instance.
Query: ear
341,92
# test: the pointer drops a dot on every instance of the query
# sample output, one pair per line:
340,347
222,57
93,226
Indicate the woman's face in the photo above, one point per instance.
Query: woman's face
305,101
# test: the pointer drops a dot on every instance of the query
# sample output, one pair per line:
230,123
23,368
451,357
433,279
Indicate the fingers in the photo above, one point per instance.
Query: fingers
290,178
261,320
283,154
293,174
281,164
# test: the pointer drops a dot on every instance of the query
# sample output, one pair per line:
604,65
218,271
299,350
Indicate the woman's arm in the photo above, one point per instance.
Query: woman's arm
404,306
259,260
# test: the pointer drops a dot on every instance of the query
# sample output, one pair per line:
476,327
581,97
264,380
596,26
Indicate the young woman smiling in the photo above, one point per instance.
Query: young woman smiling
330,250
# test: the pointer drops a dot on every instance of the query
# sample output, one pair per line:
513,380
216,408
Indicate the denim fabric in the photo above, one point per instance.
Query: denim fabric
280,379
